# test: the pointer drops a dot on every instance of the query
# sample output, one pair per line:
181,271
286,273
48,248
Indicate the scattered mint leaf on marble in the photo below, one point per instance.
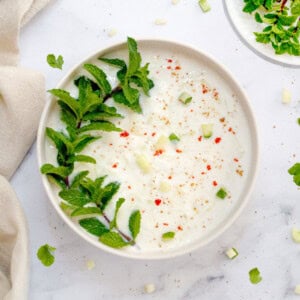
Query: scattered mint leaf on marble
254,276
45,255
135,223
113,240
93,226
168,235
55,62
295,172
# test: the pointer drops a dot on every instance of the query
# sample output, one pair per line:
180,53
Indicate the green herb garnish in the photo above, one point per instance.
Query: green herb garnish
281,21
298,121
168,235
45,255
295,172
221,193
174,137
84,117
55,62
254,276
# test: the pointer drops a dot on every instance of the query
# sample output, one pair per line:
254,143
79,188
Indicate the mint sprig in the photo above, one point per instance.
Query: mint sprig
282,25
84,116
55,62
45,255
295,172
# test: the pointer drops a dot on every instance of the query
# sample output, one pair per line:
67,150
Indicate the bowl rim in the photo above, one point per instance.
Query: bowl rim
249,183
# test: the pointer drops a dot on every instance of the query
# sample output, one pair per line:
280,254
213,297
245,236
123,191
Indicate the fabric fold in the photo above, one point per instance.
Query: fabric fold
22,97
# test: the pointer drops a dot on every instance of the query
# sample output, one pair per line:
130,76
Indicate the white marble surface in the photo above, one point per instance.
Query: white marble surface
262,233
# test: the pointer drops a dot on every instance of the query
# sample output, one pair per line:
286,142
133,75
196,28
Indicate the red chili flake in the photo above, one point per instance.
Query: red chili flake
170,177
200,138
229,129
110,144
124,134
191,110
145,133
203,173
208,167
157,202
222,120
236,160
170,60
178,151
158,152
129,187
177,68
153,133
115,165
169,67
215,183
218,140
204,88
166,224
179,228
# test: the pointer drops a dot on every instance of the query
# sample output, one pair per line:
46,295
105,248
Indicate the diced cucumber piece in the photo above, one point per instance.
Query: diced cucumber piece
221,193
296,235
297,289
168,236
164,187
204,5
232,253
185,98
207,130
174,137
143,163
161,142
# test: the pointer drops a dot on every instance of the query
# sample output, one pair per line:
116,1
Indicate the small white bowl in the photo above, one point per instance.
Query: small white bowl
181,50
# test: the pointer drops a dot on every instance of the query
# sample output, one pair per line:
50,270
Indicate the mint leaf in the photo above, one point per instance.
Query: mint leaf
100,77
86,211
55,62
93,226
254,276
78,178
113,223
45,255
135,223
113,240
295,172
75,197
115,62
108,192
99,125
134,57
82,141
85,158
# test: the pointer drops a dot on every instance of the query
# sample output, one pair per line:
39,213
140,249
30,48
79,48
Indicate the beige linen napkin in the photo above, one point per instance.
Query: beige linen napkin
22,94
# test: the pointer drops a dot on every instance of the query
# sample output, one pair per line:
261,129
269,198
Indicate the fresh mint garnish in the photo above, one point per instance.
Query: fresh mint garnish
113,240
93,226
84,116
55,62
135,223
281,20
45,255
254,276
295,172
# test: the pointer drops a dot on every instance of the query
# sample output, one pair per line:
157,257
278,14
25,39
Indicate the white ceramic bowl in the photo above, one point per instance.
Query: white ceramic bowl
210,63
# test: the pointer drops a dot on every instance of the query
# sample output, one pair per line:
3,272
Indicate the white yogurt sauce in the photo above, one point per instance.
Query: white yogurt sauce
179,191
